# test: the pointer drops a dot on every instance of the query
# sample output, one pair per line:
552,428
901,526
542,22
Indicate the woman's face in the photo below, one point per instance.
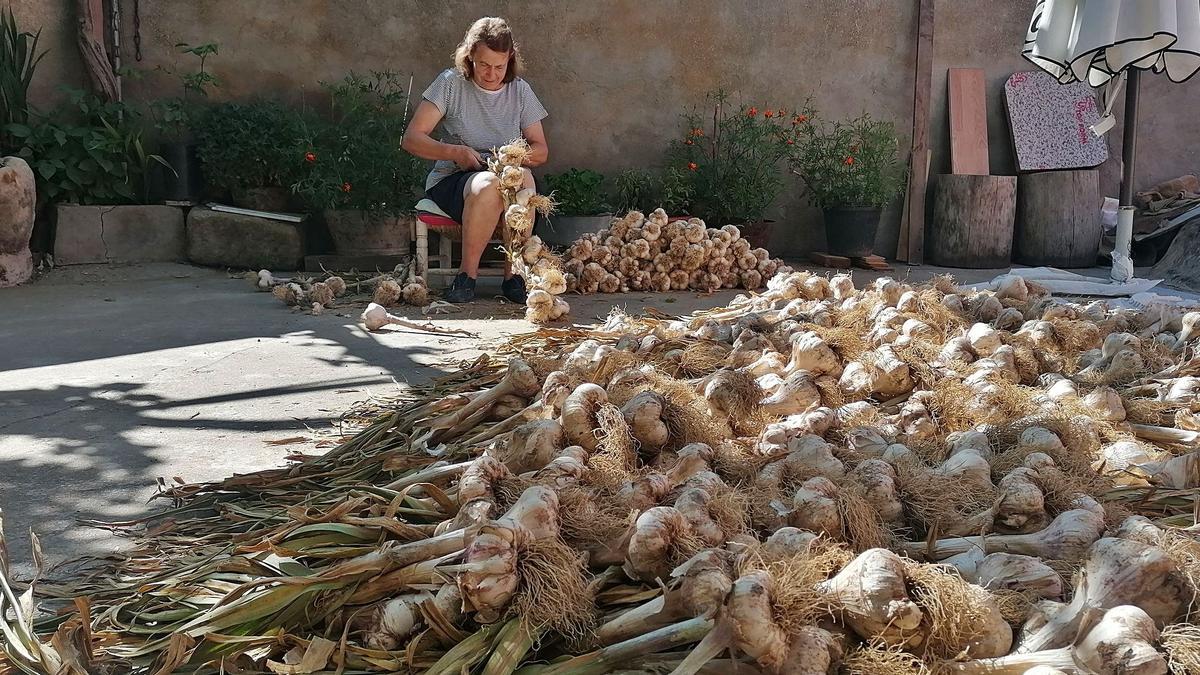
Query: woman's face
489,67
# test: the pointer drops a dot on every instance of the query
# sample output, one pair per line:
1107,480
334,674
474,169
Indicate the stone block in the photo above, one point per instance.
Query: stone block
101,234
234,240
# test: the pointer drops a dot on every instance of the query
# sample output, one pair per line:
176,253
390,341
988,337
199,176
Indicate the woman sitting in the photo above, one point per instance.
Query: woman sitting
482,104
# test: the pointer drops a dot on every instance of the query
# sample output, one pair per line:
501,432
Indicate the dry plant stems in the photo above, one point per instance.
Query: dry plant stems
648,442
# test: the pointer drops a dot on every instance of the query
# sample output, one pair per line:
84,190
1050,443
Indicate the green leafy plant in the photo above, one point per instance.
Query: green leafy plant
642,189
86,151
175,116
578,192
734,159
19,57
250,145
851,163
352,159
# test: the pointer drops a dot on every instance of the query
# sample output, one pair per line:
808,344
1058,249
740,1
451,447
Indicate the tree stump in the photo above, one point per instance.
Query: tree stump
17,199
1058,218
972,224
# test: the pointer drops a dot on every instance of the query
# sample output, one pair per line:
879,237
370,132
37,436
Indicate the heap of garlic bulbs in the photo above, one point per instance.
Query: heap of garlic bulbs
640,253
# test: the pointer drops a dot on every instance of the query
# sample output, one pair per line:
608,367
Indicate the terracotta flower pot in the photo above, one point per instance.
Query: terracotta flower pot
757,232
565,230
365,233
17,200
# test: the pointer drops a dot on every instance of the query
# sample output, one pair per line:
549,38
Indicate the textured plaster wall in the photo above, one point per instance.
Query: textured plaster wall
62,64
615,74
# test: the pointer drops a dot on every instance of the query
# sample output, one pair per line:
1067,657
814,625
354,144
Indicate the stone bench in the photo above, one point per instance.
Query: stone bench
246,242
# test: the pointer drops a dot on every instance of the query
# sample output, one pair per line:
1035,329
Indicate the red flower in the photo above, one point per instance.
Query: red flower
310,157
752,111
345,187
768,113
799,119
849,161
791,142
692,166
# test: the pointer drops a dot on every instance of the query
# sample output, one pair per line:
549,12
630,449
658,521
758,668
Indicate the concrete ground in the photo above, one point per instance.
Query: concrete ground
114,376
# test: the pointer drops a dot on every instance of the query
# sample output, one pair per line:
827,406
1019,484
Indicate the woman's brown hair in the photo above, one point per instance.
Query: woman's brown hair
494,33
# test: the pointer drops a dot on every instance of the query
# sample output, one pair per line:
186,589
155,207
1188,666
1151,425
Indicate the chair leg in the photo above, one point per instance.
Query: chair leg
422,246
444,251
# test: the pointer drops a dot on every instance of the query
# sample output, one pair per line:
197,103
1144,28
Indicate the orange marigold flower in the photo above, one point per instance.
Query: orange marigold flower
752,111
849,161
687,141
310,157
768,113
799,119
692,166
699,132
345,187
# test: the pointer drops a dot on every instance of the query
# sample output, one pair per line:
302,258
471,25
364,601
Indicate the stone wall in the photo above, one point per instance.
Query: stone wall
615,74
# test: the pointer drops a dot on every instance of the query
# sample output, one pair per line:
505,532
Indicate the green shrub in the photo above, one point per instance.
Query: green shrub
352,159
250,145
578,192
86,151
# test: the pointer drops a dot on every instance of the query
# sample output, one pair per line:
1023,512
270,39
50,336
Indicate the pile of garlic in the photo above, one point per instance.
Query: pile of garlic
640,253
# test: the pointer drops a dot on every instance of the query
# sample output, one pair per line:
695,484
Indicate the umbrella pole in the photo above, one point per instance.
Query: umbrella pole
1122,269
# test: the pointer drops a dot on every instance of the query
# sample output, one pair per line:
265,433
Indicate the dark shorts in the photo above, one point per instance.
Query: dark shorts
448,193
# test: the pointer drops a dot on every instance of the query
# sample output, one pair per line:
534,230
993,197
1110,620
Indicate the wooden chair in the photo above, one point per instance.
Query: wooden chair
431,217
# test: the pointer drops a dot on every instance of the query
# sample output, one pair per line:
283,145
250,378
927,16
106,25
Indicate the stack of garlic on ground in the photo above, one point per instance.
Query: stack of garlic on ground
641,253
816,479
384,289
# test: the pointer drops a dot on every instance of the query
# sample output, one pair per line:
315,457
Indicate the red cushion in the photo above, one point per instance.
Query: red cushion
436,221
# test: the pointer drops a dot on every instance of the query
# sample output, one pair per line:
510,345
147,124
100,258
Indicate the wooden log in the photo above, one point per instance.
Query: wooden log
1058,218
972,221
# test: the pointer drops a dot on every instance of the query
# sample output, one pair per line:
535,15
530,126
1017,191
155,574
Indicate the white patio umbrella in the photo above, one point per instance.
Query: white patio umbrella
1102,42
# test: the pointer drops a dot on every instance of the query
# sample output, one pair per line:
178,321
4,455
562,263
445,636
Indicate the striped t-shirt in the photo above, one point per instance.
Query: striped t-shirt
476,117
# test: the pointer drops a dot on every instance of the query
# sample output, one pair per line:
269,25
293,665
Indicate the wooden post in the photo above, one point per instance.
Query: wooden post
1058,218
919,176
422,246
972,221
90,15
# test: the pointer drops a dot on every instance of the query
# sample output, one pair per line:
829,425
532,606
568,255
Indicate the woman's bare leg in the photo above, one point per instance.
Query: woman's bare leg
481,212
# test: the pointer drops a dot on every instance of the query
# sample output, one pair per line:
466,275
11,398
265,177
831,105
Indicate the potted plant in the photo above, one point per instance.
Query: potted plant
734,161
851,170
353,170
581,206
174,119
247,150
643,190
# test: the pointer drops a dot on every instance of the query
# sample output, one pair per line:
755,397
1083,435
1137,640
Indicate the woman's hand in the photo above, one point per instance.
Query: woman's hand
467,158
